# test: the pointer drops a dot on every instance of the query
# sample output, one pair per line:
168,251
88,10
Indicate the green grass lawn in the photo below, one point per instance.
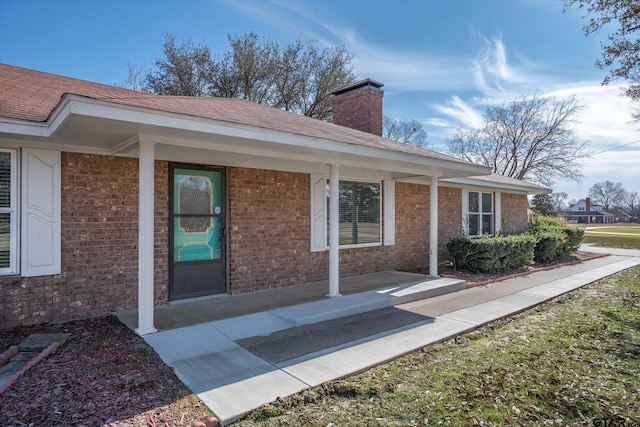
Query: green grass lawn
572,361
615,228
613,240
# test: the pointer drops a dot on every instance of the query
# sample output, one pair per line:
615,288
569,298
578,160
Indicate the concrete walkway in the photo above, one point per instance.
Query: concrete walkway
588,247
237,364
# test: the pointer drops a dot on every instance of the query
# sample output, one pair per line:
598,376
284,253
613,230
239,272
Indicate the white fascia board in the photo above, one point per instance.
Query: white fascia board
109,110
481,184
23,127
361,156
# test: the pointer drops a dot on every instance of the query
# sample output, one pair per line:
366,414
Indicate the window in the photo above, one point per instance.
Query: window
480,215
361,213
8,211
360,209
37,210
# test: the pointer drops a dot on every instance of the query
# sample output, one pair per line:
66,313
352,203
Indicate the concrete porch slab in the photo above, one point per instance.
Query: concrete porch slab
349,305
183,313
232,381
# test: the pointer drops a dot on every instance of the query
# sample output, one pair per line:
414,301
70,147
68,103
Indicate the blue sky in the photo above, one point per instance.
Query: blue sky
442,62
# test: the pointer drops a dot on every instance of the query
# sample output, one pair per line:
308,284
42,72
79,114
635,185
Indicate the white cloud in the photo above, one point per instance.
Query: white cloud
605,120
403,70
460,112
617,166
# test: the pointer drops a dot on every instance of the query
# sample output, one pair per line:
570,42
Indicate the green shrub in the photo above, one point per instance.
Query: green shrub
545,222
571,244
547,239
491,254
569,241
547,244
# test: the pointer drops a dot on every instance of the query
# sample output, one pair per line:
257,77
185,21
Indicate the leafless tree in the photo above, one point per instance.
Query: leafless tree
560,200
409,131
631,201
299,77
135,77
249,70
530,138
185,70
607,194
621,55
308,76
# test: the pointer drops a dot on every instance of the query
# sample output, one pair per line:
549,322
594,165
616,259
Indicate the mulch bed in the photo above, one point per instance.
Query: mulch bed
103,375
106,375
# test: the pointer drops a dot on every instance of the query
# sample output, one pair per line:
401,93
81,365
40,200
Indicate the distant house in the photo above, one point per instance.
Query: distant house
113,199
620,215
583,212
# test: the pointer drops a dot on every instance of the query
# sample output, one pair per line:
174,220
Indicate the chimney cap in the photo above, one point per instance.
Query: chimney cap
367,82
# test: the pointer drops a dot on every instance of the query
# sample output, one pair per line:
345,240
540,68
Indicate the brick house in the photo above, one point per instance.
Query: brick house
584,212
114,199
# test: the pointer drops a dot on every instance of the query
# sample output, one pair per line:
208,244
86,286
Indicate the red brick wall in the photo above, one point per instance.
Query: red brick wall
99,246
359,109
514,213
412,226
449,218
268,225
269,232
268,238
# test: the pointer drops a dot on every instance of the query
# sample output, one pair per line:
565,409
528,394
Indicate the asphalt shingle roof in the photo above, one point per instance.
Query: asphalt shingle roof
33,95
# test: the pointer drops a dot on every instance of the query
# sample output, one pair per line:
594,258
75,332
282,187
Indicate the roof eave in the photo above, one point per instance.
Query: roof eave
529,189
340,152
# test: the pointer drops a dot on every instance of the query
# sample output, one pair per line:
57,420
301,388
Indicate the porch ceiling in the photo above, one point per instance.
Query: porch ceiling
81,124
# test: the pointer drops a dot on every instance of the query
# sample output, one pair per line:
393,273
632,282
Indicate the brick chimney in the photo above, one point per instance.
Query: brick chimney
588,202
359,106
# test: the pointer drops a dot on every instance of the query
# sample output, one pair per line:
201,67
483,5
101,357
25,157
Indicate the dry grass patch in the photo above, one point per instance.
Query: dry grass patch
572,361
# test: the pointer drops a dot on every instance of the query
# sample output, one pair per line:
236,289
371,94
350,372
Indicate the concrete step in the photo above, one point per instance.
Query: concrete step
349,305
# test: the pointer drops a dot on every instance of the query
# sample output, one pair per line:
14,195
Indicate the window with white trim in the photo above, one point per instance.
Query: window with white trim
8,211
30,212
480,214
360,213
366,210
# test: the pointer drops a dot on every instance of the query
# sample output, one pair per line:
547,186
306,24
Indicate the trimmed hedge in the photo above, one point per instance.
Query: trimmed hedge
547,239
547,244
491,254
569,238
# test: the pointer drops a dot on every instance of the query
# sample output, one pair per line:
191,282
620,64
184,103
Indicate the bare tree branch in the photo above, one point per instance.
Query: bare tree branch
530,138
409,131
299,77
607,194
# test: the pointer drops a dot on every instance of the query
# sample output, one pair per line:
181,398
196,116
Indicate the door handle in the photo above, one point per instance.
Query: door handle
223,233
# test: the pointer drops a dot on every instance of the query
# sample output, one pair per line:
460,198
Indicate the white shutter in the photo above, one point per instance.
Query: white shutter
497,212
41,220
465,212
389,202
318,213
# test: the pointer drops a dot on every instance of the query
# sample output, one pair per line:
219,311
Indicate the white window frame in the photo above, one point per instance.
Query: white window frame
319,217
12,210
362,245
466,212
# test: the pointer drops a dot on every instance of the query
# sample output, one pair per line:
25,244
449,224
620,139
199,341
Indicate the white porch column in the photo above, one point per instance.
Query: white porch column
433,227
334,231
498,212
145,238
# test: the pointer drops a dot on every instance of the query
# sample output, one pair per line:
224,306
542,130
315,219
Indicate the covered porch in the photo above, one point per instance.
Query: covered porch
302,304
233,133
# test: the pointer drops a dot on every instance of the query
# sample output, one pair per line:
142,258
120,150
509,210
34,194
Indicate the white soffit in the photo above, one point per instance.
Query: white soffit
89,125
471,183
